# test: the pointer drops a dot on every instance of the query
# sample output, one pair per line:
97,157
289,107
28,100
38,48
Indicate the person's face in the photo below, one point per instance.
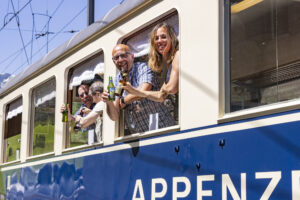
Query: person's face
122,59
162,41
97,97
83,93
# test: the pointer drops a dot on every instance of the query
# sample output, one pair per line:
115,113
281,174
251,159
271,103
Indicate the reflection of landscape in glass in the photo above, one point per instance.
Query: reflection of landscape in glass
43,140
13,144
77,138
44,119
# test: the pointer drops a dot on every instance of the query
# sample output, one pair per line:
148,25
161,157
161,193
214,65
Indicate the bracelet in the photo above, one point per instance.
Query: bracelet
123,100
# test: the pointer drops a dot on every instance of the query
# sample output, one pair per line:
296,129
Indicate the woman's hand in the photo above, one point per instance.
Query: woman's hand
130,89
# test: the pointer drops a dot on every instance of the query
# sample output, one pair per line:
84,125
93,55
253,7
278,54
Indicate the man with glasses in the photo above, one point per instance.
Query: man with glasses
85,108
138,112
95,115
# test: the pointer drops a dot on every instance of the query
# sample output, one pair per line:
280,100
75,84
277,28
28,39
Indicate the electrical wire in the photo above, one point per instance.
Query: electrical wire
15,14
19,67
18,23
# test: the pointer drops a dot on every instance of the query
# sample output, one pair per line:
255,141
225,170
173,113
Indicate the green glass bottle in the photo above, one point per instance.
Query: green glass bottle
111,89
65,114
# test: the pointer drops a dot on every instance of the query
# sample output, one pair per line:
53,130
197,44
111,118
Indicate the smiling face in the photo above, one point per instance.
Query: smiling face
162,41
83,92
122,57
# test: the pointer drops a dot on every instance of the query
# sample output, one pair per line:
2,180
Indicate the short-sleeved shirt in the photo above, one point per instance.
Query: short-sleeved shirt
137,114
92,126
98,108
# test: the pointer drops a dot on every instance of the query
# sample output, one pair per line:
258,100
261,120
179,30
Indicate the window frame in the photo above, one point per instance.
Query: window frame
31,106
5,131
225,78
69,97
119,131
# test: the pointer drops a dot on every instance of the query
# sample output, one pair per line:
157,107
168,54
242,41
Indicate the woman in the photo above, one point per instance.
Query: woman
164,61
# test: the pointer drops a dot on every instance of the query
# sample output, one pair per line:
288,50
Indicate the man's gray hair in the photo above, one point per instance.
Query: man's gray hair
96,87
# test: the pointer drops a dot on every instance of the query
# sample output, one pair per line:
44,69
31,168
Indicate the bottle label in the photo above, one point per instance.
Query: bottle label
119,89
111,93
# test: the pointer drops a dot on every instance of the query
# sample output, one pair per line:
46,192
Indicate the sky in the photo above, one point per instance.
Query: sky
39,27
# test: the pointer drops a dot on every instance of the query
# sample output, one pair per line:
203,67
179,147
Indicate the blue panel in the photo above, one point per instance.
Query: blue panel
113,175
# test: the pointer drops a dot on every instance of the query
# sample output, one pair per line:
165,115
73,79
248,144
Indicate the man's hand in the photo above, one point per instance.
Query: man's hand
105,95
85,110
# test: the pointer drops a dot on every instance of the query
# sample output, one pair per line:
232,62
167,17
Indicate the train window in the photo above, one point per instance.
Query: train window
43,113
81,77
264,59
136,117
12,135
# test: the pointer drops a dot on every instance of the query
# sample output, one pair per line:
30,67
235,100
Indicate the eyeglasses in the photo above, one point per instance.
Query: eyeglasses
84,93
122,55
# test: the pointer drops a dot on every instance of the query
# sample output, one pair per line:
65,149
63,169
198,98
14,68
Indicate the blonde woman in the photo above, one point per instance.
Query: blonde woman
164,61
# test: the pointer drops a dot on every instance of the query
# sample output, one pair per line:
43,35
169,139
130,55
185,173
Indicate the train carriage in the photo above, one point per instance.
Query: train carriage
237,134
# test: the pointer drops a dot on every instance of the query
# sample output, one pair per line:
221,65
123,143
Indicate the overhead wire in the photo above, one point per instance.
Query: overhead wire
31,42
19,67
15,14
18,23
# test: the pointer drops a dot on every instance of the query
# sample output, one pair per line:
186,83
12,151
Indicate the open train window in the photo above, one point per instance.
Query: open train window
263,60
43,118
157,115
80,78
12,135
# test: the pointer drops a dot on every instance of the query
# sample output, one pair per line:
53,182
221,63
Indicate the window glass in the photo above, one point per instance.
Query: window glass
80,78
43,118
264,55
146,115
12,136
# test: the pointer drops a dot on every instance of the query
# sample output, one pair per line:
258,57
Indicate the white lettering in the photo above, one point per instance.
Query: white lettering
138,187
184,193
227,183
200,192
296,184
162,193
275,178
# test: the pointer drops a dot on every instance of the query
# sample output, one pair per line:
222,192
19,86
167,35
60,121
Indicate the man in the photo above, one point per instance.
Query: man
140,114
86,99
86,106
95,115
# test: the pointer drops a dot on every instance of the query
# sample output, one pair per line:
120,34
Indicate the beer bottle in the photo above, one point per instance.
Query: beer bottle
65,114
111,90
122,82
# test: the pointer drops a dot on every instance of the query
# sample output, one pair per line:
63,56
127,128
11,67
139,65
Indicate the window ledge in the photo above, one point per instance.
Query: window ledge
81,147
147,134
36,157
10,163
261,111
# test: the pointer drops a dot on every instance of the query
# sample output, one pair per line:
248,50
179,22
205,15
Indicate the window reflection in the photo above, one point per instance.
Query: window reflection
44,118
12,137
265,59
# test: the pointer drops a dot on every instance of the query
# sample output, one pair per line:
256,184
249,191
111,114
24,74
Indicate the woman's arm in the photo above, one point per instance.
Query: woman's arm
157,96
172,86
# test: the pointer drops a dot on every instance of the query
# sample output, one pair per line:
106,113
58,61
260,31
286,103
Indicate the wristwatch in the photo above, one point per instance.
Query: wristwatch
122,100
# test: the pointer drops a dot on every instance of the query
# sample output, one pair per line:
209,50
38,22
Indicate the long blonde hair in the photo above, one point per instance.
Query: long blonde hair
155,58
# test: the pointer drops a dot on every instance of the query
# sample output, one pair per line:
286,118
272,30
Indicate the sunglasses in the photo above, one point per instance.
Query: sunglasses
122,55
84,93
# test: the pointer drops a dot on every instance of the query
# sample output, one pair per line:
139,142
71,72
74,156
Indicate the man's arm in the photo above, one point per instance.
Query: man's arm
87,120
112,108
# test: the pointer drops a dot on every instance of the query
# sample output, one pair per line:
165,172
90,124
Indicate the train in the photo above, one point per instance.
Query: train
237,134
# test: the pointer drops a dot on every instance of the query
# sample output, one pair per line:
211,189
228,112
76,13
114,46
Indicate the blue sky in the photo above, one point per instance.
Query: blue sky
64,16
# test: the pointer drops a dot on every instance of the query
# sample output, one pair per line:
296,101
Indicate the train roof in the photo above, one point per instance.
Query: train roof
112,15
